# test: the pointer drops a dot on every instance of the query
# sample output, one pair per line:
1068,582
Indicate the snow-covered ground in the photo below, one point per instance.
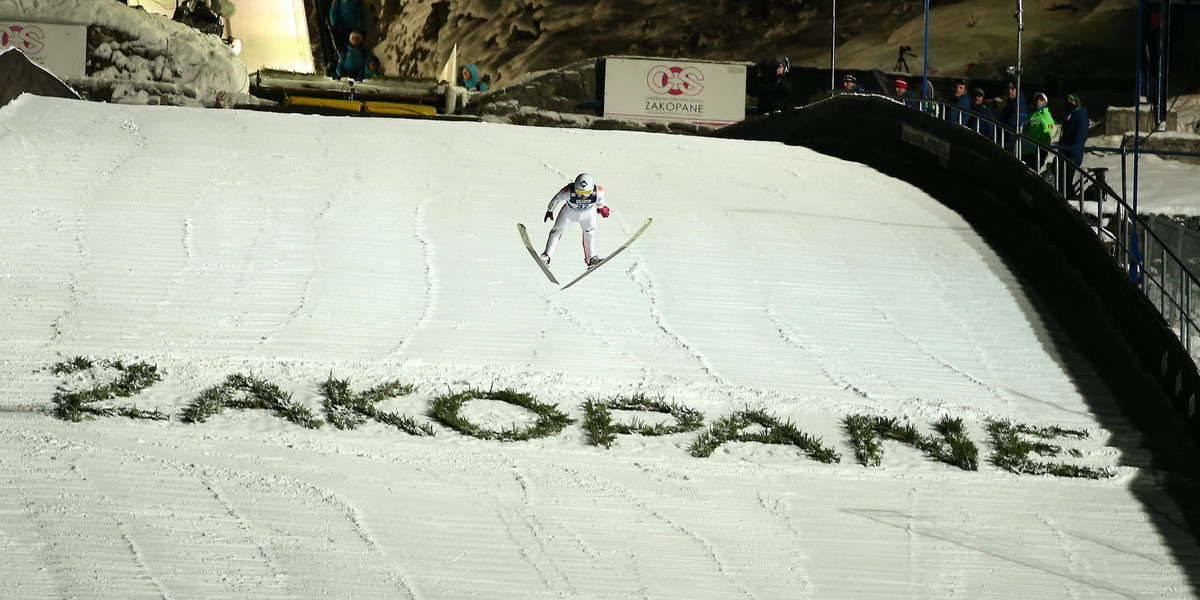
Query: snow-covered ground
295,248
1166,186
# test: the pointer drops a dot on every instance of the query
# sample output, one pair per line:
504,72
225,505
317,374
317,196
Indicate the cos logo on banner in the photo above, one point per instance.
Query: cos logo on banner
676,81
25,38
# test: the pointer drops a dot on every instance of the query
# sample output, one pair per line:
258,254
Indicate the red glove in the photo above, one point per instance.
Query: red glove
549,215
603,211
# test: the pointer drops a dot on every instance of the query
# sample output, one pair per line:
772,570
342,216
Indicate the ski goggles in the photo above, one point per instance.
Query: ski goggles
582,192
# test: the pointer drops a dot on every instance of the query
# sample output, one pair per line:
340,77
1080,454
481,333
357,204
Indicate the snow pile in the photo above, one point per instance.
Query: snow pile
135,56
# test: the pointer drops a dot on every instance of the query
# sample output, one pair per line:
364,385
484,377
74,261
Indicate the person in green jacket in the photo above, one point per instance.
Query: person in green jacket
1040,129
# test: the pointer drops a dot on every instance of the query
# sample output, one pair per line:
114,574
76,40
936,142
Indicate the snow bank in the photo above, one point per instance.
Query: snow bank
140,57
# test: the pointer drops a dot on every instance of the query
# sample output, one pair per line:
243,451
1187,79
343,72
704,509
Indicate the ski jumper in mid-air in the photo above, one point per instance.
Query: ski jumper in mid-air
584,199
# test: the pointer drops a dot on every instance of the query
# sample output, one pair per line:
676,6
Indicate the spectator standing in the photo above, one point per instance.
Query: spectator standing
468,77
206,20
1074,130
961,111
981,116
770,85
906,95
346,16
1071,142
1040,130
1014,114
199,15
353,62
850,83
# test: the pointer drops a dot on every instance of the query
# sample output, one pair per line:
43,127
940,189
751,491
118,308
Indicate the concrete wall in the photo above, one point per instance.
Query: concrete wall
1066,269
1170,141
1119,119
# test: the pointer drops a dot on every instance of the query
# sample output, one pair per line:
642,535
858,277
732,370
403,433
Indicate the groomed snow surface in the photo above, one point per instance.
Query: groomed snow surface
292,248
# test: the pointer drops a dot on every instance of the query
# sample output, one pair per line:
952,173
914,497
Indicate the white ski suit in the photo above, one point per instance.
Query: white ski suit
580,210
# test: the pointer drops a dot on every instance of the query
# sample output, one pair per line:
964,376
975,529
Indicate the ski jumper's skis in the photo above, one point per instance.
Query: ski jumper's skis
537,258
635,236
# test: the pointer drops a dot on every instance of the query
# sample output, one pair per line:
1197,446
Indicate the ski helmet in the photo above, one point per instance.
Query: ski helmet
584,185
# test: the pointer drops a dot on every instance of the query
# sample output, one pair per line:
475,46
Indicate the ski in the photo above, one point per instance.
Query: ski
635,236
534,253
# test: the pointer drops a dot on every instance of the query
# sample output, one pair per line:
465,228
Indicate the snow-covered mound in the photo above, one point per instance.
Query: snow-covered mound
140,57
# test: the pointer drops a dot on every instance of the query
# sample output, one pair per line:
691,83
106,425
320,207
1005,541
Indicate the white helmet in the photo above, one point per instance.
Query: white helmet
584,185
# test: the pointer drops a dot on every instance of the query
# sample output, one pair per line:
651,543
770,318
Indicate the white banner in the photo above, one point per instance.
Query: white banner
704,93
60,49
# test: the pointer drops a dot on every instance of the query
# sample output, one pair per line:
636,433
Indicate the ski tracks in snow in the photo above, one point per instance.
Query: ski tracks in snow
645,282
305,289
793,337
124,523
981,544
421,229
934,358
526,531
594,539
643,279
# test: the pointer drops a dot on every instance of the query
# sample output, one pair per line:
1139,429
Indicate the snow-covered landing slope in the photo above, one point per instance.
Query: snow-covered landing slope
290,248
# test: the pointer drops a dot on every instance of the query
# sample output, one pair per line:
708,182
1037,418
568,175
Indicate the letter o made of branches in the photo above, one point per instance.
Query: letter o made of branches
550,421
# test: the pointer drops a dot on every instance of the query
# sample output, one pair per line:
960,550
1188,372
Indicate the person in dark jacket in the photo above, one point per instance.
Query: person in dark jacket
1072,140
199,15
1074,130
961,111
346,16
981,116
769,83
205,19
1014,115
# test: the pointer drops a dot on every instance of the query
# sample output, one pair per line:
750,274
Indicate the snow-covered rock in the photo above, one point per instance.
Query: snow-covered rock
141,57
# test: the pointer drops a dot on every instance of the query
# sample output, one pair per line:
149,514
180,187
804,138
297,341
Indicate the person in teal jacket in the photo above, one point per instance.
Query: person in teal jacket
346,16
353,62
468,77
1039,129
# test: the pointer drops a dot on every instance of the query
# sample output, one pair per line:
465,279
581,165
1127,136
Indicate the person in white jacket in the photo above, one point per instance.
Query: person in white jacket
584,199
